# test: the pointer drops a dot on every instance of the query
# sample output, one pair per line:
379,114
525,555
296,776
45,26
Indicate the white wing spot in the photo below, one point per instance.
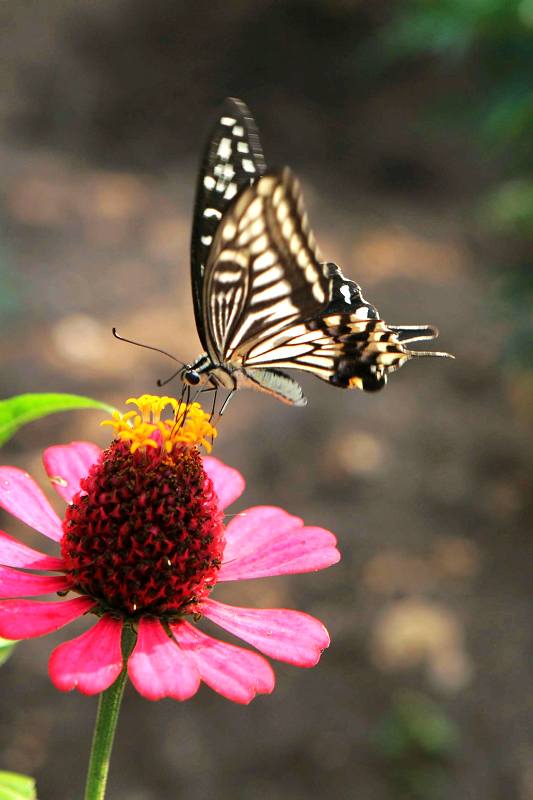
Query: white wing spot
206,239
318,293
229,121
212,212
257,227
311,273
287,353
361,313
278,194
255,208
224,171
268,276
345,291
229,231
242,147
238,130
319,361
229,277
231,191
228,172
248,165
302,258
224,148
282,211
265,184
209,182
287,228
244,237
280,289
265,260
295,244
258,245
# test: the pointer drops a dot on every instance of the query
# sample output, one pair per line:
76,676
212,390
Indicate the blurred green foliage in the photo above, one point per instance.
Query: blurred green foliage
491,41
6,649
417,741
23,408
14,786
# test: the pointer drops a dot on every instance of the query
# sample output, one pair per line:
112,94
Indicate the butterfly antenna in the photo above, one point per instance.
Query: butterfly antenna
148,347
167,380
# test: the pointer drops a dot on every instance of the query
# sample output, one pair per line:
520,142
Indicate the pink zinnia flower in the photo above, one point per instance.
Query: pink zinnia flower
143,543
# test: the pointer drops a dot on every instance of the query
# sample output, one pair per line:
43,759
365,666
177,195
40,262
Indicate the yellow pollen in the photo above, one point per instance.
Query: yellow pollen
189,424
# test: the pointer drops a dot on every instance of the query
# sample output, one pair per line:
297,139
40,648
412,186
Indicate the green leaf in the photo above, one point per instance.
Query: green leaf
6,648
16,787
23,408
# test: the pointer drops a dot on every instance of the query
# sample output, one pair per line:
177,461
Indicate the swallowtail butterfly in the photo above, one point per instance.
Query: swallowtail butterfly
263,298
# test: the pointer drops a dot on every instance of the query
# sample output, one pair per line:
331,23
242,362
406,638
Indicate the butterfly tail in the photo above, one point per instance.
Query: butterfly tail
414,333
417,333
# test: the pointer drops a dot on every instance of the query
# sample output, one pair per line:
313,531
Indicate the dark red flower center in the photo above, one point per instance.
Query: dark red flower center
145,534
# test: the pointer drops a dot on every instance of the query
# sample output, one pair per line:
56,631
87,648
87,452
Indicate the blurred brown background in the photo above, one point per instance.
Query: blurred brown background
409,125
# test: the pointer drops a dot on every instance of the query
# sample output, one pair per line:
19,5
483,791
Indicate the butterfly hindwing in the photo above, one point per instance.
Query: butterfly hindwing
233,159
346,296
341,349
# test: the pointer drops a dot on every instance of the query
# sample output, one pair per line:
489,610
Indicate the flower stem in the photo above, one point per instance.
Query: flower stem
105,726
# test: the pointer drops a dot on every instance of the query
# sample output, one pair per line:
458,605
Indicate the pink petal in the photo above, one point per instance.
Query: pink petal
67,464
257,525
22,584
233,672
16,554
277,632
20,495
158,668
267,541
228,483
91,662
24,619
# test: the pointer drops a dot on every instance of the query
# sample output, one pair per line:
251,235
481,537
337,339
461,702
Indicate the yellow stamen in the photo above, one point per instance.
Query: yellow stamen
188,425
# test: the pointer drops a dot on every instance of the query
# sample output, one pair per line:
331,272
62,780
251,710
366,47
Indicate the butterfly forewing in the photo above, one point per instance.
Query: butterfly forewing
263,270
232,160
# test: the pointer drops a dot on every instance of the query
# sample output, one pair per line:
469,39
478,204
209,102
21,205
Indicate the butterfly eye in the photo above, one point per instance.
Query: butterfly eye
191,377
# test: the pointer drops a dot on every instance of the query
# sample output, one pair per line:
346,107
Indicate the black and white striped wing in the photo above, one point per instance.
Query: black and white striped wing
263,270
342,349
233,159
346,296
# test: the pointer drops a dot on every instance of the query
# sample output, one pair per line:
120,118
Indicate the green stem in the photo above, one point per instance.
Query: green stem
106,723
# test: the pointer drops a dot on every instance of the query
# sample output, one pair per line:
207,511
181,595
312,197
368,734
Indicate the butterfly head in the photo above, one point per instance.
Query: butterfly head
191,377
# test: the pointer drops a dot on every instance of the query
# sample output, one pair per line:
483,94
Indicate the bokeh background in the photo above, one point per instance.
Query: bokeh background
410,125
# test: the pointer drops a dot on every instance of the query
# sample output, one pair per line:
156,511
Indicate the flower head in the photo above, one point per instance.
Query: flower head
143,543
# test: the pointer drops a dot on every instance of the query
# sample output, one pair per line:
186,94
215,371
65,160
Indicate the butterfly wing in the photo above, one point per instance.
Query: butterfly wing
269,302
233,159
341,349
263,271
346,296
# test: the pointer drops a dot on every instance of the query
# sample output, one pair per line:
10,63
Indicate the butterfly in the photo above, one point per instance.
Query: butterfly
264,300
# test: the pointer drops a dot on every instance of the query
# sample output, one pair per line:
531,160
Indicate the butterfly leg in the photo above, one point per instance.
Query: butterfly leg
184,399
225,404
213,389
